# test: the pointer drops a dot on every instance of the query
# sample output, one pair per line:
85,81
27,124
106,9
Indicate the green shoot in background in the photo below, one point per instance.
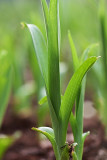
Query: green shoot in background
5,82
7,141
5,90
100,70
103,85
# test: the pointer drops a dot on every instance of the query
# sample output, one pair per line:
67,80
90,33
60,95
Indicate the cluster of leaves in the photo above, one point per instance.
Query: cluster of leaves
76,120
47,53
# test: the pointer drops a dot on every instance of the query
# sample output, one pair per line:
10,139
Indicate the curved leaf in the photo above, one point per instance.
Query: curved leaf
84,135
71,93
41,50
49,133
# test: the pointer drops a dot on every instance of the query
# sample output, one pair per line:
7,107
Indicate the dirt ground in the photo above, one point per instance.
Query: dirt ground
29,147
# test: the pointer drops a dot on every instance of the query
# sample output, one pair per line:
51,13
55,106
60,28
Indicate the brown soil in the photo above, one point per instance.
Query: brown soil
28,146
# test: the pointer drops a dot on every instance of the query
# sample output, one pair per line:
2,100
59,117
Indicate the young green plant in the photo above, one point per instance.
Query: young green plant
76,119
47,53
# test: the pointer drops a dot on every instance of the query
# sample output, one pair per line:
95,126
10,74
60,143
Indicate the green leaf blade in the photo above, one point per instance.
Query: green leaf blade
49,133
71,93
53,56
41,50
79,120
84,136
46,12
74,53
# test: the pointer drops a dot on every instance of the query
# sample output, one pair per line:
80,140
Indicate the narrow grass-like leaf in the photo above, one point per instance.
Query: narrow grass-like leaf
44,100
73,123
74,53
71,93
78,129
79,120
46,12
41,50
49,133
53,56
58,21
42,56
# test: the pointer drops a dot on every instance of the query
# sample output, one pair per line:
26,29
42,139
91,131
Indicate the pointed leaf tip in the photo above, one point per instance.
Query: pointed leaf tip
98,57
23,25
74,52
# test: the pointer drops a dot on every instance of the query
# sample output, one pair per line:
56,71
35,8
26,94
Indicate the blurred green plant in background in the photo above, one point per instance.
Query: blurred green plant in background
100,70
6,79
12,13
103,31
5,82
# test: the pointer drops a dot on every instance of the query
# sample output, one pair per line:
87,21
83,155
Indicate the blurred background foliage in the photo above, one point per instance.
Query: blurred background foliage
81,17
